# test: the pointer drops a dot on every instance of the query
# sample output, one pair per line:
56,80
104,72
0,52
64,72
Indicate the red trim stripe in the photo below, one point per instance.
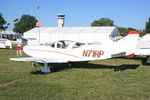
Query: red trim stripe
130,55
56,52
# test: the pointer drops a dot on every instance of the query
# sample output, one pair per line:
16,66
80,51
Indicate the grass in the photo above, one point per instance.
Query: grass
96,80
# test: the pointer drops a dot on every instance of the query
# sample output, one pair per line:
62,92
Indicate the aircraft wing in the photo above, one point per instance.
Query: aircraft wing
40,60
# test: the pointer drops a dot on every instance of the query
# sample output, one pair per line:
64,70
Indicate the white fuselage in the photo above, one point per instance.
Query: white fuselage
75,51
83,53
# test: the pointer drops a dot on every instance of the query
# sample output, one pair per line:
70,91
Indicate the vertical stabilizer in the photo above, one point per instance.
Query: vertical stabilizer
127,44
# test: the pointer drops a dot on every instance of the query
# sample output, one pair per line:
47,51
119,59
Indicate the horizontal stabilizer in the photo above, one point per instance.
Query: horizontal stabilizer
122,54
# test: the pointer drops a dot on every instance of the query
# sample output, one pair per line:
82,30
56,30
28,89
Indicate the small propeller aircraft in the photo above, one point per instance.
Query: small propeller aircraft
65,51
5,44
143,47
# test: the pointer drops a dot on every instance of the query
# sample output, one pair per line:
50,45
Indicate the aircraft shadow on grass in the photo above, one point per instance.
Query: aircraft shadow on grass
143,59
60,67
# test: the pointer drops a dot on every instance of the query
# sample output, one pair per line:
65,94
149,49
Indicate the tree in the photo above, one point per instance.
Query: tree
103,22
124,31
2,23
25,23
147,28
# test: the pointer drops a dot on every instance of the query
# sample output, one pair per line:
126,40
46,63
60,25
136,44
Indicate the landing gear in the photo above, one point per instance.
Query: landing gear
33,64
69,64
45,68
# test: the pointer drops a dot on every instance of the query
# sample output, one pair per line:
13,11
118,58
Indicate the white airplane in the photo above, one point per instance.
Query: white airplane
143,47
5,43
65,51
2,45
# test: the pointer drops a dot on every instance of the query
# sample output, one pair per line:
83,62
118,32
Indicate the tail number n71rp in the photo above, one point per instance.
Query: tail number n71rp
92,53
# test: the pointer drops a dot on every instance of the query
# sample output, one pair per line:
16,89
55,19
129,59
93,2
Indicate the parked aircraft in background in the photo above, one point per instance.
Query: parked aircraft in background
5,43
65,51
143,47
2,45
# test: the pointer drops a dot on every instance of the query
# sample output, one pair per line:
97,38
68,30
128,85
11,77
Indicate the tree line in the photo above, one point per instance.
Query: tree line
27,22
122,30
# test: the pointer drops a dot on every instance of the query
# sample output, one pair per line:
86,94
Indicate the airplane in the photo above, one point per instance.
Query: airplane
67,51
2,45
5,43
143,47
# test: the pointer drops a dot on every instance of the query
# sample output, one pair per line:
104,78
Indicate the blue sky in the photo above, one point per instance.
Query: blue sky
124,13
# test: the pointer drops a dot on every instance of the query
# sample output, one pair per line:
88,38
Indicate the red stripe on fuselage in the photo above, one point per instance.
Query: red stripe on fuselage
56,52
130,55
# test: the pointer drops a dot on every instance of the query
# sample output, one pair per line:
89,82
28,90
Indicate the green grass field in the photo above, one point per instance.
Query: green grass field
95,80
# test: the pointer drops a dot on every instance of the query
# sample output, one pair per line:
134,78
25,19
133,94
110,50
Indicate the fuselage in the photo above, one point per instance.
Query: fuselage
76,51
86,52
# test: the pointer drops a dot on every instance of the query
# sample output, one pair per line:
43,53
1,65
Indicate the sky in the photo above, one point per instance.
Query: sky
79,13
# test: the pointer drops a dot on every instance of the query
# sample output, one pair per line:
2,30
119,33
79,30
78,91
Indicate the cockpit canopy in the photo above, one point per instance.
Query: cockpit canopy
65,44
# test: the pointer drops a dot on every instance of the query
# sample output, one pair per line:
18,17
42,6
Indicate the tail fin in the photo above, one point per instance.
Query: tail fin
127,44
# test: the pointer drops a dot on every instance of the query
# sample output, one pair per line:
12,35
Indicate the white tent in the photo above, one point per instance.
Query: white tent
81,34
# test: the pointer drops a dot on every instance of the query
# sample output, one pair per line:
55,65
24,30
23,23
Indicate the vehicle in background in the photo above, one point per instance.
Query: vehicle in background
143,47
5,43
